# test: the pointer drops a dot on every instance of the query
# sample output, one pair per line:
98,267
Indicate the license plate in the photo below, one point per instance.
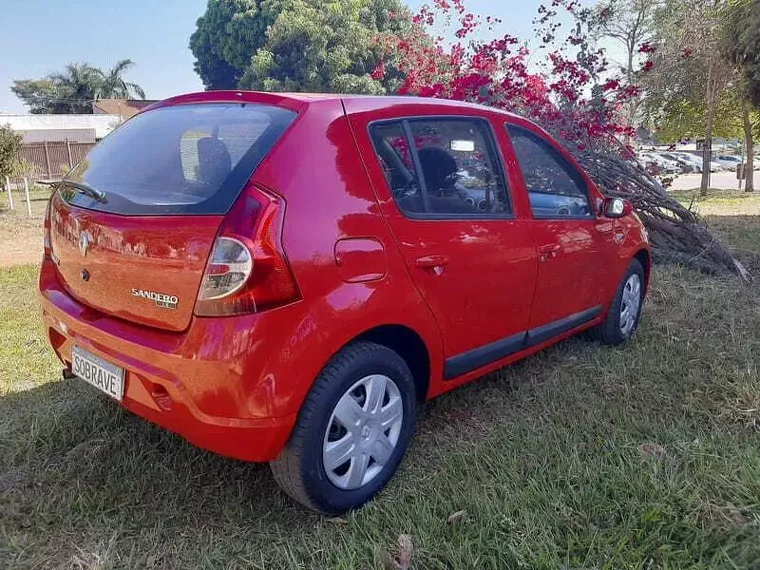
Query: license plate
105,376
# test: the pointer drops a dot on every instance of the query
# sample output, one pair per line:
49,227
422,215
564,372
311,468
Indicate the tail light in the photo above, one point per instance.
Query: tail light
248,271
230,267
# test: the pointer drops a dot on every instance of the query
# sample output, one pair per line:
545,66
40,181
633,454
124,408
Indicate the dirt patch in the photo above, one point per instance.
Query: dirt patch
21,235
20,240
19,258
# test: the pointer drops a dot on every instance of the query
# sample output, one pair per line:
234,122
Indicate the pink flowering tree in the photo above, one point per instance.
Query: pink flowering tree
565,85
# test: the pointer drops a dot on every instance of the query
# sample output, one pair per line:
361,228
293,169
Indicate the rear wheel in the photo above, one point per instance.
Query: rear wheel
623,317
352,432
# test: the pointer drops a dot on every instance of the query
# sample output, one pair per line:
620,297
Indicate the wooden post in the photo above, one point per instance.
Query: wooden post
68,150
8,187
47,160
28,201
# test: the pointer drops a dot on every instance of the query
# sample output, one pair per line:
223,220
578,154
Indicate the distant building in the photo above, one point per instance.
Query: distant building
53,144
61,128
125,108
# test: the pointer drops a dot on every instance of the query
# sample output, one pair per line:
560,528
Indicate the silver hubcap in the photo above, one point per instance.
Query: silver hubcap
630,305
362,432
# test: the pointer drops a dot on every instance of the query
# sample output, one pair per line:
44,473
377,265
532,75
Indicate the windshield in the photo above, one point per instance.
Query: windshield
184,159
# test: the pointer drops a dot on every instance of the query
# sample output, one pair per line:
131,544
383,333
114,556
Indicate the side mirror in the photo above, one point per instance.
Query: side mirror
617,208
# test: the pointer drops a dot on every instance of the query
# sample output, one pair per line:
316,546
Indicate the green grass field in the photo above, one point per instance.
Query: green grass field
643,456
732,215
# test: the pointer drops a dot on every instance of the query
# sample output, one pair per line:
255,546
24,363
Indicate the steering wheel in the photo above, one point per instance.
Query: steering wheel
408,189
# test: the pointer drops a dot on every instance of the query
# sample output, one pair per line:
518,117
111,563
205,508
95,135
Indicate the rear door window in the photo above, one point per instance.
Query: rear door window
555,187
450,170
184,159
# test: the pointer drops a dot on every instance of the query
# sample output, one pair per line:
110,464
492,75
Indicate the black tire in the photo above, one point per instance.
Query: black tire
610,331
300,469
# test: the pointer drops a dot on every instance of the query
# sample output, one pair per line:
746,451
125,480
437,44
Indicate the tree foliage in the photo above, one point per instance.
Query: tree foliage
10,151
296,45
741,46
73,89
226,37
741,41
570,93
630,23
688,68
685,56
112,85
685,119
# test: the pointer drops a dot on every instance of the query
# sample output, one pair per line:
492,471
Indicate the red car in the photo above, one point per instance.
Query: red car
284,278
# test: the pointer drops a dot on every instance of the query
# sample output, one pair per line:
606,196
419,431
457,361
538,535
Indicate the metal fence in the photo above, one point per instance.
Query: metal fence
51,160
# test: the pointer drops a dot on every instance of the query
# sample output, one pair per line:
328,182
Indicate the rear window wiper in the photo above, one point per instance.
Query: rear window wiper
81,187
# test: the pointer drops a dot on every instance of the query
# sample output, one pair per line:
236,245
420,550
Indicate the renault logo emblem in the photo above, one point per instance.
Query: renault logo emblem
84,243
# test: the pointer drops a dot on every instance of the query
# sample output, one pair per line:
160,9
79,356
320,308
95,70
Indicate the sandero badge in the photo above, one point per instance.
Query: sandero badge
161,299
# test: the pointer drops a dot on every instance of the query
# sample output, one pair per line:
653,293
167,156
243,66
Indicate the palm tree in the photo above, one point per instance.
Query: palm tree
73,89
76,87
112,84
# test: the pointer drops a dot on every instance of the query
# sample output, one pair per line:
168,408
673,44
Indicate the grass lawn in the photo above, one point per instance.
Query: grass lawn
734,217
643,456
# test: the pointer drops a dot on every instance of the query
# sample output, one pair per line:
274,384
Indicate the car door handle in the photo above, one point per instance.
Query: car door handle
432,261
605,227
550,248
549,251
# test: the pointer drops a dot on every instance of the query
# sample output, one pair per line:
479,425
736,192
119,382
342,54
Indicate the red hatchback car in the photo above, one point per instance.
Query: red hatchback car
283,278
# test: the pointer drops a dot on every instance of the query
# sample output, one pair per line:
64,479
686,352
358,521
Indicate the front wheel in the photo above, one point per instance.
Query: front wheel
352,432
624,314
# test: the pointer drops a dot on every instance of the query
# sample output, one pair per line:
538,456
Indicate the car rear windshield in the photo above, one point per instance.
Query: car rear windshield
183,159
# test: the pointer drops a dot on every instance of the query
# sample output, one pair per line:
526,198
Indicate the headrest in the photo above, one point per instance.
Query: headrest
214,161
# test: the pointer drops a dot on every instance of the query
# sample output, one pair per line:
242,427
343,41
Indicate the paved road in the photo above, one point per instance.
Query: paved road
718,180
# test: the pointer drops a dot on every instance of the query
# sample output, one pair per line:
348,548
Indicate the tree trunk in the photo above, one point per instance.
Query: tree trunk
630,112
749,183
707,150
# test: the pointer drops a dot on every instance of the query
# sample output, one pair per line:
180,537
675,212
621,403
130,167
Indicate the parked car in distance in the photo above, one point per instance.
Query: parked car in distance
663,165
697,160
688,157
728,162
687,166
284,278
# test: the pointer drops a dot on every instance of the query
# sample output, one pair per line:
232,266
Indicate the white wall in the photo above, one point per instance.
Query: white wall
100,124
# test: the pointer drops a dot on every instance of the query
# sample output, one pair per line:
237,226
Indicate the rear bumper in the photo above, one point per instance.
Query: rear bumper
175,380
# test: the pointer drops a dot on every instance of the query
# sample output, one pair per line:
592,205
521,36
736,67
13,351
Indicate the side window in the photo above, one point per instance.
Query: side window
555,187
392,151
450,170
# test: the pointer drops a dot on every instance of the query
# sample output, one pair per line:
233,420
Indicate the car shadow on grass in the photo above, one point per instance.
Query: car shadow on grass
81,476
86,459
71,456
80,455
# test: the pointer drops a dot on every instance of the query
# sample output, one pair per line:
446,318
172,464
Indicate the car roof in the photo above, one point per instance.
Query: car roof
295,100
380,100
373,102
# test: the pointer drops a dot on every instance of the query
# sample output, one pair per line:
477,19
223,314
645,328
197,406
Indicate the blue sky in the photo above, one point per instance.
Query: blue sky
41,36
